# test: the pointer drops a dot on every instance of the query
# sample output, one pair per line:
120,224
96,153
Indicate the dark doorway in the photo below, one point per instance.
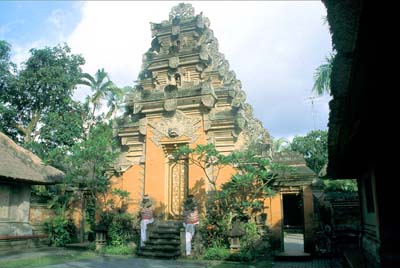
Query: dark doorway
293,221
292,211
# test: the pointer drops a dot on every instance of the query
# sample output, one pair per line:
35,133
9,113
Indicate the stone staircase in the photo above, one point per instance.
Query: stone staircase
164,240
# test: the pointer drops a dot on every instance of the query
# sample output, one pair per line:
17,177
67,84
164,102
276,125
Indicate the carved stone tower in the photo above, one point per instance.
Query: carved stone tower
185,94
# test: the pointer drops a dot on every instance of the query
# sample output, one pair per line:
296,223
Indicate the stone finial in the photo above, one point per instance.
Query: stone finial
182,10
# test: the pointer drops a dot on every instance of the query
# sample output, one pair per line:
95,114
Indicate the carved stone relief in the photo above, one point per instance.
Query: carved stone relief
175,126
182,10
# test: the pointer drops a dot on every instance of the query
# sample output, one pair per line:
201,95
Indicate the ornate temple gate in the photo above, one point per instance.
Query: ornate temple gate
177,187
176,183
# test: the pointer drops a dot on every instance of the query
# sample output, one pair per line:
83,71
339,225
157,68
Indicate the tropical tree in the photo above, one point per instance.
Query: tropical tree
44,85
103,90
280,144
206,157
314,148
322,77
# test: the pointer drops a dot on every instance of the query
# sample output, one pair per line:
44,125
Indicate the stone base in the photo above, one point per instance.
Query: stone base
22,242
15,228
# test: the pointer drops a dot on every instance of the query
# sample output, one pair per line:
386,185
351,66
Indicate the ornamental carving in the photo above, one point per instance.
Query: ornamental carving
175,126
181,11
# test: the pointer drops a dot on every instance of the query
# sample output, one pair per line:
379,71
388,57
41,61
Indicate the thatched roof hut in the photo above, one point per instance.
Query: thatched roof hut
298,175
20,165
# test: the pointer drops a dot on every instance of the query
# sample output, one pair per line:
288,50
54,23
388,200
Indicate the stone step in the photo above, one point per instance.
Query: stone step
174,232
168,224
167,228
175,242
167,255
164,236
160,248
164,241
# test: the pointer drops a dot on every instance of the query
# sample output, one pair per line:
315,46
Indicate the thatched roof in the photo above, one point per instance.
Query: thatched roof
300,175
355,113
19,164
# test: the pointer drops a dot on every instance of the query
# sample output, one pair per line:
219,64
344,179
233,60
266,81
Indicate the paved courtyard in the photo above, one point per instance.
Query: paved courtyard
104,261
116,262
127,262
316,263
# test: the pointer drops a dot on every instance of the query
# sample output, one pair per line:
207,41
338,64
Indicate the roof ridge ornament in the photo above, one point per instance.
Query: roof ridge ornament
182,11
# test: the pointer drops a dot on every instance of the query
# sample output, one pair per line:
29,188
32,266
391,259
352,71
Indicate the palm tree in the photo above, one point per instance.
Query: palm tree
103,90
280,144
322,77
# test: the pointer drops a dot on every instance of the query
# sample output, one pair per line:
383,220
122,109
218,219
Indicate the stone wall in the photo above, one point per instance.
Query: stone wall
346,218
39,213
14,209
21,223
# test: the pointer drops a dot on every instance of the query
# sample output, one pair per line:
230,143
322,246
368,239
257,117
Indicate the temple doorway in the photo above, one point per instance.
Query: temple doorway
293,223
176,184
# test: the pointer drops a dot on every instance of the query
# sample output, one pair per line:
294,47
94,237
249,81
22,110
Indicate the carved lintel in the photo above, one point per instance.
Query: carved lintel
174,127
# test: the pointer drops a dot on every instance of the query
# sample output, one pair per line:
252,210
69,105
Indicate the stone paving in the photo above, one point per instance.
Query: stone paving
104,261
315,263
294,242
124,262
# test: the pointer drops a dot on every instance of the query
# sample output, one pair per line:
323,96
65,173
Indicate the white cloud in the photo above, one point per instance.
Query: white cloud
56,18
274,48
20,53
8,27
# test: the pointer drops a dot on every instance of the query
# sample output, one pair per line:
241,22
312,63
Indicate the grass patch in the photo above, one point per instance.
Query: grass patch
46,260
117,250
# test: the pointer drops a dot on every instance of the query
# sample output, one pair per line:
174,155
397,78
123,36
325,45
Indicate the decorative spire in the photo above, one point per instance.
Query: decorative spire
182,11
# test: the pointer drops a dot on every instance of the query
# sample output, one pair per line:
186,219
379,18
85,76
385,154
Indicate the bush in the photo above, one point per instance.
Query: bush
119,226
243,256
217,253
60,230
117,250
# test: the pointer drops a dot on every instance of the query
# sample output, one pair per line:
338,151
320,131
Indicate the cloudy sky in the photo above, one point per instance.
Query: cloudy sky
273,46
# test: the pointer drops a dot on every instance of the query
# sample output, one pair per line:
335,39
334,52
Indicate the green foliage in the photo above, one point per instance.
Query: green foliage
118,250
242,255
44,85
217,253
280,144
242,197
120,230
119,227
322,77
214,227
90,159
340,186
65,128
60,230
103,90
245,193
314,148
205,157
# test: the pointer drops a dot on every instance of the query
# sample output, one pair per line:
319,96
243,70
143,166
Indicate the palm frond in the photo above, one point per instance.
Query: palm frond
322,77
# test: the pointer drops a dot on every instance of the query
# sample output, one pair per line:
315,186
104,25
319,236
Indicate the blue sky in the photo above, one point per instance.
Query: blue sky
274,47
